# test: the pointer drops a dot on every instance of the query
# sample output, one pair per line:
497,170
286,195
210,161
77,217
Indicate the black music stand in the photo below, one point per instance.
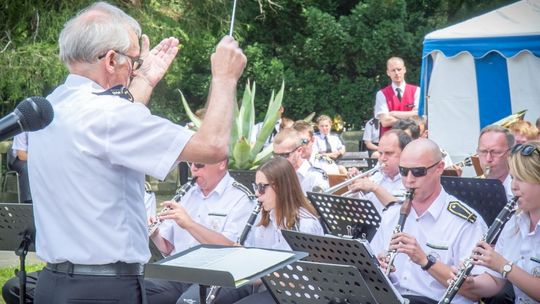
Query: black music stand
205,276
318,283
17,231
343,215
486,196
344,251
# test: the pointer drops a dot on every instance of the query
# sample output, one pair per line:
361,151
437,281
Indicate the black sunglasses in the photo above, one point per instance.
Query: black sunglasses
286,154
416,171
260,187
525,149
197,165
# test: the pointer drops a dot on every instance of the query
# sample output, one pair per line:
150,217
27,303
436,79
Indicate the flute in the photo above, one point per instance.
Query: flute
180,192
403,213
490,236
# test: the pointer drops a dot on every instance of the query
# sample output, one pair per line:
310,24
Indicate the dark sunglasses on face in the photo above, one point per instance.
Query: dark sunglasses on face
525,149
286,154
260,187
416,171
197,165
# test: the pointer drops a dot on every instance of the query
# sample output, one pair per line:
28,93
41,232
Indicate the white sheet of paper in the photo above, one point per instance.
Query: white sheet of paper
240,262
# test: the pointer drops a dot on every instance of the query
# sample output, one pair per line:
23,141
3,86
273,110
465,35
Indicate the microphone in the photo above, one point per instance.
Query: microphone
31,114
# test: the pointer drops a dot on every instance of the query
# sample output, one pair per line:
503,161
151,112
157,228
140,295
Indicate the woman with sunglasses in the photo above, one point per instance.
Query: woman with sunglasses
284,206
516,256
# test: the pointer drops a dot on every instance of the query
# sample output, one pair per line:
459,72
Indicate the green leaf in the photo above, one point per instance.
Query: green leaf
189,113
240,153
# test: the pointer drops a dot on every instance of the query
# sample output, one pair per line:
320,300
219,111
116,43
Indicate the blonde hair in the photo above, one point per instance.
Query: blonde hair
323,118
526,168
524,128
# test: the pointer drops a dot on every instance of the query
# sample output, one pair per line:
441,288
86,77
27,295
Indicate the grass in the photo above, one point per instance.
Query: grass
7,273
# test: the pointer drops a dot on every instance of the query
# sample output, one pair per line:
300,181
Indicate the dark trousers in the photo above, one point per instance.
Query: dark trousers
505,296
10,290
65,288
163,291
21,166
258,298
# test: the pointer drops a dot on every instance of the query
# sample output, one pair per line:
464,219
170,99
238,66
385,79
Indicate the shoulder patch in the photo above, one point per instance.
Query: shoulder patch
459,209
119,91
243,188
324,174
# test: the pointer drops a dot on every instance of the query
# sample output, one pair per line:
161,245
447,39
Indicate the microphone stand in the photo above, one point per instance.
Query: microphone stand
21,252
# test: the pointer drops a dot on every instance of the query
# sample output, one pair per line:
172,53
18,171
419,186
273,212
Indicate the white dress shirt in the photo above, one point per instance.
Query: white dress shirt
440,233
226,210
521,246
311,177
507,184
20,142
380,100
270,236
393,185
87,170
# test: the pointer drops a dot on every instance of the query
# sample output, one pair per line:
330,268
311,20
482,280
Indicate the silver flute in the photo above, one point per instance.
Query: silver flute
403,213
180,192
214,290
490,236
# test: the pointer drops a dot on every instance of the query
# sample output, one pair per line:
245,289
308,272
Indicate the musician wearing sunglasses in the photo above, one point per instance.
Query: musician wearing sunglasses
494,143
284,206
290,145
516,256
214,211
439,230
384,186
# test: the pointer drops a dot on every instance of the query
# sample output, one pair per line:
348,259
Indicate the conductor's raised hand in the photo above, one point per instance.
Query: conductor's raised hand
157,61
228,61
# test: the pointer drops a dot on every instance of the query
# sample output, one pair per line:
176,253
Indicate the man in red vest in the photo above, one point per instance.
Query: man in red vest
398,100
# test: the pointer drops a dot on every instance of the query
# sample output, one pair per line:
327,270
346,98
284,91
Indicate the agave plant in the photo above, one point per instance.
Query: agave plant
245,155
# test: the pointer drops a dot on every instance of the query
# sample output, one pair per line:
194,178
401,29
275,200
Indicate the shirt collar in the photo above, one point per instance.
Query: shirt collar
402,86
523,222
220,188
74,80
437,206
304,167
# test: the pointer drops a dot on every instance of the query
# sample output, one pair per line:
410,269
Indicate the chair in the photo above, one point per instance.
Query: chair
11,173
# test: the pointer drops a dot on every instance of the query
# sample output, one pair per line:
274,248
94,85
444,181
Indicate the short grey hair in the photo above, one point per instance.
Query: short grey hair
94,31
498,129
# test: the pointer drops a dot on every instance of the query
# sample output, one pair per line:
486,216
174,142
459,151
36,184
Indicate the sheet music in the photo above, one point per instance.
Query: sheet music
240,262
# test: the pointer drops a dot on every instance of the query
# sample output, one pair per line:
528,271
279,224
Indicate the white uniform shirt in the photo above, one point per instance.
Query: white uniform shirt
380,101
20,142
393,185
270,237
439,232
507,184
87,171
311,177
371,132
226,210
320,144
522,247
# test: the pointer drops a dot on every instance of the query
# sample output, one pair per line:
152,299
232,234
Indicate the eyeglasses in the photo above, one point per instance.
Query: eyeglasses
197,165
416,171
286,154
136,62
493,153
260,187
525,149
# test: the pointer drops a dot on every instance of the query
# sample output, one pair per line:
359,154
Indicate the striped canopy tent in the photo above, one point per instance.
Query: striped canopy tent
479,71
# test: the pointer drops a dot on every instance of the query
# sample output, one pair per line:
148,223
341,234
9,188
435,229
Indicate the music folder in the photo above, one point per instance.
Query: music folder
226,266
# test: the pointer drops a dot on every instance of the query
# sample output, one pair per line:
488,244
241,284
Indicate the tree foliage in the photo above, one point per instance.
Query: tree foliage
331,53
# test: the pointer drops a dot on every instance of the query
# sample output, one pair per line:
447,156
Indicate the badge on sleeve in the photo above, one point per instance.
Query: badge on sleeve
119,91
459,209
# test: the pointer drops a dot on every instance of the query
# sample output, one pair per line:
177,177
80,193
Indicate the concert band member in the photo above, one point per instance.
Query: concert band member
516,256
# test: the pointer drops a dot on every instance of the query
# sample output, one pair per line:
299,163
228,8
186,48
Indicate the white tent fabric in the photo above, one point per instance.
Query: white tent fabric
479,71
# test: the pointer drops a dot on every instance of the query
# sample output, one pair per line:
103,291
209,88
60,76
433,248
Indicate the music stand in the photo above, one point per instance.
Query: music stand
191,266
318,283
486,196
342,215
17,231
344,251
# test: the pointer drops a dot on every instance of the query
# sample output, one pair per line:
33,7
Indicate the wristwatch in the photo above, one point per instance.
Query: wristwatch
430,261
506,269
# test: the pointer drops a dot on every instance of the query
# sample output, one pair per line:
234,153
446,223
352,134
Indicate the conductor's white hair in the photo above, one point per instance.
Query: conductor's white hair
94,31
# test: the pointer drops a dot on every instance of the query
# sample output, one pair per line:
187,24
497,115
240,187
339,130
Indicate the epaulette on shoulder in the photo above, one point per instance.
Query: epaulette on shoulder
462,211
324,174
242,188
389,205
119,91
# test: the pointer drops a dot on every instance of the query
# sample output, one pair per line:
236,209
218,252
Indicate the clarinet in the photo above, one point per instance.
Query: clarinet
214,290
490,236
180,192
403,213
